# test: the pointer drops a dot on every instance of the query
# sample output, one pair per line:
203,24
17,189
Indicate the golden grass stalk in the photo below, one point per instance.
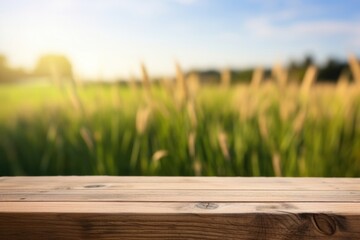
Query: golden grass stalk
142,119
248,105
168,85
191,144
191,110
223,142
75,99
132,82
181,85
145,78
276,162
225,78
197,166
55,75
263,126
280,74
342,83
309,79
86,136
159,155
193,84
257,78
76,81
287,107
355,68
299,121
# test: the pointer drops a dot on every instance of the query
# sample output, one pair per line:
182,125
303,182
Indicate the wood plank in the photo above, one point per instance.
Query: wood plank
105,195
52,183
178,226
180,207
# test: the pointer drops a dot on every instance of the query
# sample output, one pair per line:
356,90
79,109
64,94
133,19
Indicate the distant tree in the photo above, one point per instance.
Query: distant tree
308,60
207,76
296,70
54,65
242,76
211,76
332,70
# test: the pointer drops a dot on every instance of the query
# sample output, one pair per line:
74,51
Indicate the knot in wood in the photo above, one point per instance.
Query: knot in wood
207,205
324,224
94,186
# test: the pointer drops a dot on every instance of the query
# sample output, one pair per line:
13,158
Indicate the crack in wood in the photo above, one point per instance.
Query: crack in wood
207,205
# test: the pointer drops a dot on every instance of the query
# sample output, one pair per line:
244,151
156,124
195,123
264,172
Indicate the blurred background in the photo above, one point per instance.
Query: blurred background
180,87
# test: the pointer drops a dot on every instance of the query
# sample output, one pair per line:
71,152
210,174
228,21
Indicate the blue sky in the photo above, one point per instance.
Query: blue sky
110,37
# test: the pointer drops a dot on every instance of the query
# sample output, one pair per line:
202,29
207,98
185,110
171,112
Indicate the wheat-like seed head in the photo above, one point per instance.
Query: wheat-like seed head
191,110
280,74
146,83
158,155
193,84
257,78
247,106
225,78
191,144
181,85
299,121
276,162
74,99
145,77
263,126
168,85
309,79
142,119
197,166
287,107
86,136
223,142
355,68
342,83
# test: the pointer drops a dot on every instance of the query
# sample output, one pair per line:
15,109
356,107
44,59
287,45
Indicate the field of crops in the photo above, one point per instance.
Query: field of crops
181,128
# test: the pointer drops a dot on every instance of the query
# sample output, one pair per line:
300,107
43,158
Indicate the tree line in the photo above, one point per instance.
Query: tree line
59,66
51,65
330,71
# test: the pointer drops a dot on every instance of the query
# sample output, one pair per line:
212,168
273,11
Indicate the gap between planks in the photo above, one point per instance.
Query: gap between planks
181,207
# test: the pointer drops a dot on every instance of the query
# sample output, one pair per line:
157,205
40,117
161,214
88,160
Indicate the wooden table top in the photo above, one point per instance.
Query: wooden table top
105,207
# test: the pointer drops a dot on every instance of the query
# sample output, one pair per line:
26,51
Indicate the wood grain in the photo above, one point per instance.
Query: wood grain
179,195
179,208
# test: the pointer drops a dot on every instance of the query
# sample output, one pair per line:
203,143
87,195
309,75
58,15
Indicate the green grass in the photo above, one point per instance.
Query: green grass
46,130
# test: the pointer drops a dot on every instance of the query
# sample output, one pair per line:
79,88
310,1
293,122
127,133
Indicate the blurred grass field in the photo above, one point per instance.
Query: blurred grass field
180,129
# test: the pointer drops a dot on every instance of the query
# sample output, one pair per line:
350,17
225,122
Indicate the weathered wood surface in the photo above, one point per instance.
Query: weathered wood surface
179,208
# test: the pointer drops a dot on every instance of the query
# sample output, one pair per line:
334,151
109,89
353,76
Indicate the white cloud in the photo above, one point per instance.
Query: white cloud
186,2
263,27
